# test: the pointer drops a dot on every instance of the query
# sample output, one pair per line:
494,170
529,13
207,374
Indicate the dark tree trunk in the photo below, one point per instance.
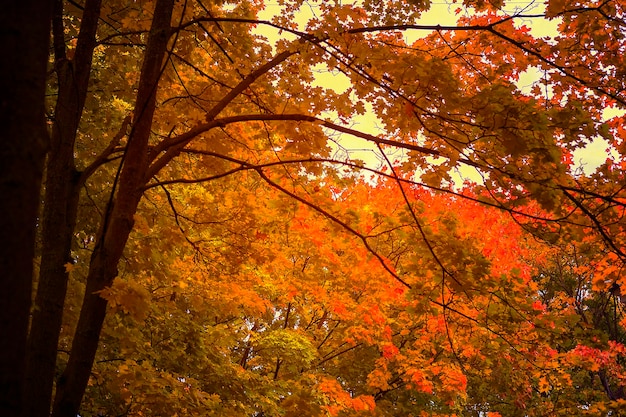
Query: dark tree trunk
60,206
24,39
117,222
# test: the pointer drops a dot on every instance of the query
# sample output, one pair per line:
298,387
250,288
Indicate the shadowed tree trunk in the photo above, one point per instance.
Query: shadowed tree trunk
24,37
60,205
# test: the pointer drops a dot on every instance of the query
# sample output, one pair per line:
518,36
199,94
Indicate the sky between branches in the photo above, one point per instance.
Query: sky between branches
440,13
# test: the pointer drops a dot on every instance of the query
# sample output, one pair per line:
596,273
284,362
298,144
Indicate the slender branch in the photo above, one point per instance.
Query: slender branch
598,226
106,153
107,39
341,352
329,334
178,142
556,66
173,146
246,82
199,180
336,220
199,20
608,199
170,201
247,166
430,247
438,28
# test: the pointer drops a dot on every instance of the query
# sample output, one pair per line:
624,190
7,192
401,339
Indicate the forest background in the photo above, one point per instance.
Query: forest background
187,230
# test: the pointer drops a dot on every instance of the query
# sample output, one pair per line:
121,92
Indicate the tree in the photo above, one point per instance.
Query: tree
24,42
214,99
271,326
579,288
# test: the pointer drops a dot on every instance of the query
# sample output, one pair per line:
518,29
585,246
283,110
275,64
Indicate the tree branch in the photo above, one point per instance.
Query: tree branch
172,146
336,220
104,155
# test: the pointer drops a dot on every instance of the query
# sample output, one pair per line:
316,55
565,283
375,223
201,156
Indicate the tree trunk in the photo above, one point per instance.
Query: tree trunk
60,207
103,267
24,38
117,222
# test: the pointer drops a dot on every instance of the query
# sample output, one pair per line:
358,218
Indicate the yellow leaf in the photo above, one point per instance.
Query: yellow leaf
544,385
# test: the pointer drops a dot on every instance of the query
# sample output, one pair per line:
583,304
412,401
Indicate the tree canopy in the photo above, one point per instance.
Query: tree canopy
209,243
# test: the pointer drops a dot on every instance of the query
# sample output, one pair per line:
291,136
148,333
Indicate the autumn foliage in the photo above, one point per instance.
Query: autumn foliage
316,209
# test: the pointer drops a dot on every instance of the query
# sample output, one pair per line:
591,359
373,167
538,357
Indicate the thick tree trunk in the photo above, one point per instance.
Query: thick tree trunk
60,207
117,222
24,39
